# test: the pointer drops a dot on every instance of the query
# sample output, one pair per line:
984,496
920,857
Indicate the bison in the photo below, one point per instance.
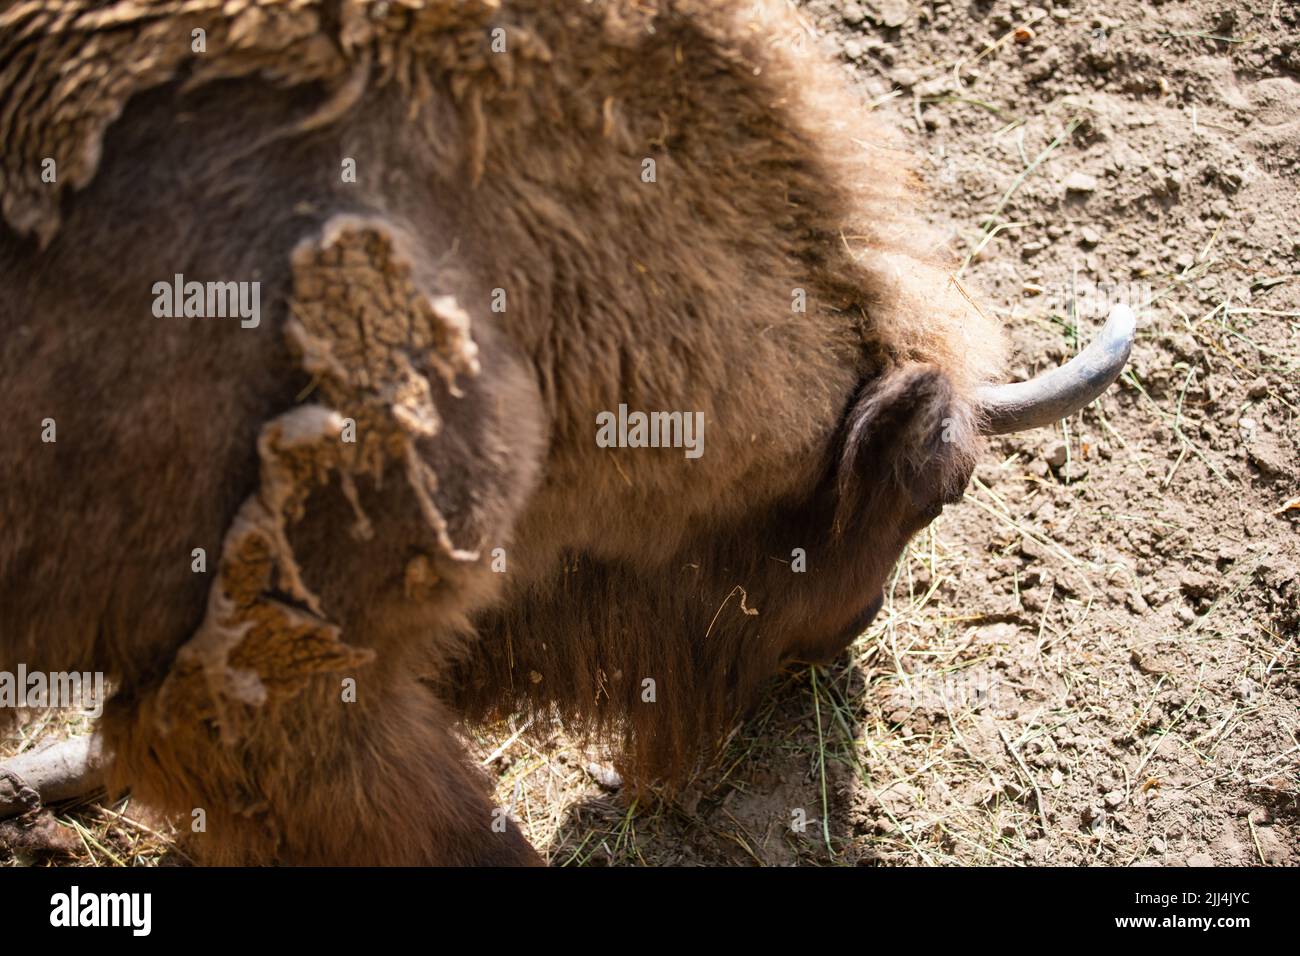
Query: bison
359,357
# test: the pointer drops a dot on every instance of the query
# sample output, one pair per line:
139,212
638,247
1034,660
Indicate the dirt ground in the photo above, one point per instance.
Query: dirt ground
1092,659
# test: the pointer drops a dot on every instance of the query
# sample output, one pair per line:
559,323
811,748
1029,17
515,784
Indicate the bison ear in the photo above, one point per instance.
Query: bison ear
910,438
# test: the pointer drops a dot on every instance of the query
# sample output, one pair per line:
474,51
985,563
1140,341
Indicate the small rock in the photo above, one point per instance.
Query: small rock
1258,388
934,87
605,776
1090,236
1195,584
1231,552
1270,456
1114,799
1246,690
1056,454
852,13
1078,182
1074,470
1158,845
1151,662
894,13
904,77
1032,549
1200,859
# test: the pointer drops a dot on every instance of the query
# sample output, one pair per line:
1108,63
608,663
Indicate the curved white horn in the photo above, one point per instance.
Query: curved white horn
1063,391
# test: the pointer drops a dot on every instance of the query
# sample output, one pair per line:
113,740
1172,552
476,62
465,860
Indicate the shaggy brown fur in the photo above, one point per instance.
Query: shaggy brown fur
839,430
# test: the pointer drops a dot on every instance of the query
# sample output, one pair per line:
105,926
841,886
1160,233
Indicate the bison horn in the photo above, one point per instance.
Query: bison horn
1063,391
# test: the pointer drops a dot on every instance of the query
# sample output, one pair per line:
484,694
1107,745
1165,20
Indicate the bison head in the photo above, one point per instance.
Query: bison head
671,647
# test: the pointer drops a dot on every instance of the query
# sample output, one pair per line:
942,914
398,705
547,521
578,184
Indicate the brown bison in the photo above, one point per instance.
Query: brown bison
414,316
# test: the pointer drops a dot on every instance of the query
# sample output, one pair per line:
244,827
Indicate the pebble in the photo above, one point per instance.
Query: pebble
1246,690
1074,470
1056,454
1196,584
1200,859
1078,182
1090,236
1261,817
894,13
606,776
902,76
1032,549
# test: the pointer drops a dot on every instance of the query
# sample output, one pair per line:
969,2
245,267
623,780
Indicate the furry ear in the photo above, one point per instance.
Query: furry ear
909,437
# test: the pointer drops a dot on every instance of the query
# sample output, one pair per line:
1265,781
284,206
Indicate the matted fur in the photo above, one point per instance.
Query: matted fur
74,64
838,430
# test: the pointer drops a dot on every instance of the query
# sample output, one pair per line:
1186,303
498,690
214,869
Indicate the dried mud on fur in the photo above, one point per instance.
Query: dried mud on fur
1092,659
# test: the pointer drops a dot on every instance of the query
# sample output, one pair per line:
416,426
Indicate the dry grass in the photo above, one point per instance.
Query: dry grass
90,832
